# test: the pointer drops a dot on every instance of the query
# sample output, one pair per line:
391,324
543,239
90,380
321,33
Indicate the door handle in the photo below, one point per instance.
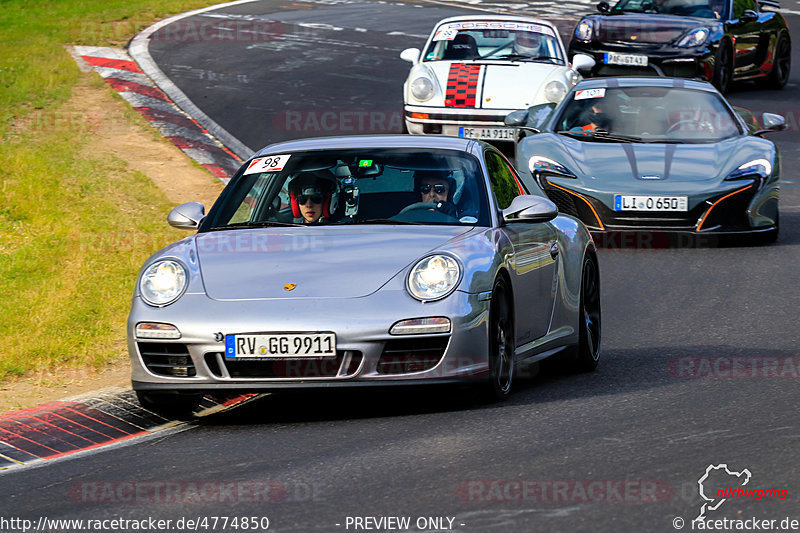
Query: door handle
554,250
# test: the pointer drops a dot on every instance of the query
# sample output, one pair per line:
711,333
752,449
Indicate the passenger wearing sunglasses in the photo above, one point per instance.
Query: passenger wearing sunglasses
436,187
310,197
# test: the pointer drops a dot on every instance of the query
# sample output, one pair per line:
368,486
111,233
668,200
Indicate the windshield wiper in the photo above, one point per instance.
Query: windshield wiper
617,137
601,135
251,225
513,56
380,221
526,57
540,58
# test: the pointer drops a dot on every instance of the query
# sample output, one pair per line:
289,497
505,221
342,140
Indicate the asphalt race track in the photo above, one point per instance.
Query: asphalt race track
699,364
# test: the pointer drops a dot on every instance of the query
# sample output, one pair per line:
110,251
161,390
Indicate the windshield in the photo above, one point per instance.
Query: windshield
646,114
516,41
359,186
707,9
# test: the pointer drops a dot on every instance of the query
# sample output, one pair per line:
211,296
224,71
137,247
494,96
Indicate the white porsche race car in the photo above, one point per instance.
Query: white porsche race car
476,69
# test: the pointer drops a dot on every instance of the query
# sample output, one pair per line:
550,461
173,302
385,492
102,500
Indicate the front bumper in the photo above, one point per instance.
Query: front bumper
366,353
744,208
662,60
452,121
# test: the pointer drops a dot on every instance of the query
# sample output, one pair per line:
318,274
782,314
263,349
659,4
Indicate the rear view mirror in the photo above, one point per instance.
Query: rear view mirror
410,54
582,62
530,208
187,216
749,16
517,119
771,122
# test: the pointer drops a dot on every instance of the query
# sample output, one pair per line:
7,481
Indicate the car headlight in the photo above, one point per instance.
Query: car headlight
555,91
433,277
542,164
583,32
696,37
163,282
756,167
422,89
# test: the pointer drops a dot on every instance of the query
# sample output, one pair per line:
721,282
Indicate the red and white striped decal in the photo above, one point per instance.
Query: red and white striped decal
125,76
57,429
462,85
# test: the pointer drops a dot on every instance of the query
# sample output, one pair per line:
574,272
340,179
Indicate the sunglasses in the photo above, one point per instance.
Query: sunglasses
315,198
438,189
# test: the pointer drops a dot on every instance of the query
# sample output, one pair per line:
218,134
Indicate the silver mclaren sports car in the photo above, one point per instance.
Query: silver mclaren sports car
367,260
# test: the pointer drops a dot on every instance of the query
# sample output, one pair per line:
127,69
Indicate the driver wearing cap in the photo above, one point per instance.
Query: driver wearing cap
310,197
436,187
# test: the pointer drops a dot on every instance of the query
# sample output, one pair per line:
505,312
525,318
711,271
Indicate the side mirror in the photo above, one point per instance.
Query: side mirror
187,216
411,55
531,119
604,8
582,62
517,119
530,208
749,16
771,122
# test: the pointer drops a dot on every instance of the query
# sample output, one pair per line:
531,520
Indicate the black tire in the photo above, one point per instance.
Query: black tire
723,67
587,352
781,64
172,405
771,236
501,343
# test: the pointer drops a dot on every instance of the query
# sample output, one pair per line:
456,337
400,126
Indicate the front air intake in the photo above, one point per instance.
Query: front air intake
167,359
404,356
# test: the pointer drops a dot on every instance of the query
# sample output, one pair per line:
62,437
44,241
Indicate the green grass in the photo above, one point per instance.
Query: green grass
74,226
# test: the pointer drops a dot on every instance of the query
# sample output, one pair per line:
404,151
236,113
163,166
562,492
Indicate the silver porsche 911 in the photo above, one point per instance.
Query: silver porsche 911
364,261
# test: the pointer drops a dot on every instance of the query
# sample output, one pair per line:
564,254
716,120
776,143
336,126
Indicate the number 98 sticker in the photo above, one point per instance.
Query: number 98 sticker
271,163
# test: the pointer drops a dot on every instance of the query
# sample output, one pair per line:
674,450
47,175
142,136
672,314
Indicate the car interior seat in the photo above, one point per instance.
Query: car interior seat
463,46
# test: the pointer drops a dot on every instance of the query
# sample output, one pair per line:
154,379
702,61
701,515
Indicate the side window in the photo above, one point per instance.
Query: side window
247,207
504,185
740,6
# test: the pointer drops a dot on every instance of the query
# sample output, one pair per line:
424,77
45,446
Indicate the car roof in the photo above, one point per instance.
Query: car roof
370,141
512,18
644,81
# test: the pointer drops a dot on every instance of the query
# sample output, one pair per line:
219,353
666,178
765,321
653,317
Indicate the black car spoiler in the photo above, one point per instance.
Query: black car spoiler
769,3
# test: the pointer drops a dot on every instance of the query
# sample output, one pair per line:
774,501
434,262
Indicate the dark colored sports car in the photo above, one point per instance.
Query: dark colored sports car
656,155
717,40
